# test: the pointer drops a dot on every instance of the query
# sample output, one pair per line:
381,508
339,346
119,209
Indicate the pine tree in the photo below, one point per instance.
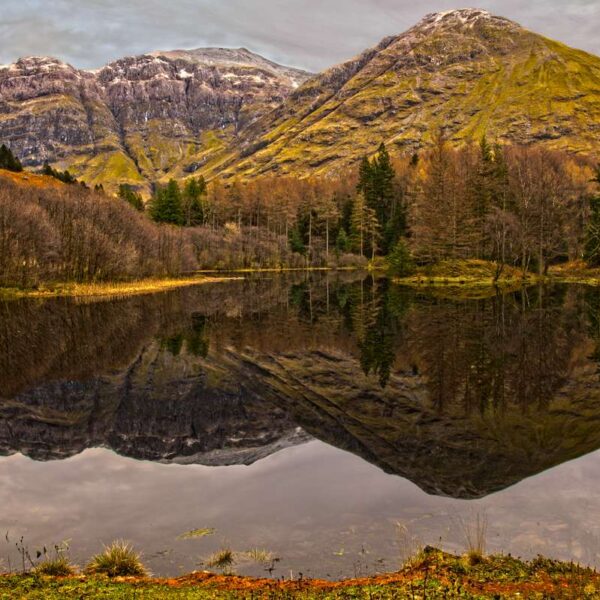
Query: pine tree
365,179
296,241
483,189
127,193
373,230
193,202
359,223
63,176
342,243
365,229
376,182
400,260
166,206
9,161
383,184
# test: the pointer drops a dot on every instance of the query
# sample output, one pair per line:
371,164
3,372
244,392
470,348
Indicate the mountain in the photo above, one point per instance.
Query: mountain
466,70
220,111
139,119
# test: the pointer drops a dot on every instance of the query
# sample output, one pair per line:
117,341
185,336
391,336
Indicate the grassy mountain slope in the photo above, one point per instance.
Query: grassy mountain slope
465,70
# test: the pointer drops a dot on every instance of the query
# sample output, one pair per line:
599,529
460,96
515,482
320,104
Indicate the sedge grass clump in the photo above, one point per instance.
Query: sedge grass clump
117,560
58,566
223,560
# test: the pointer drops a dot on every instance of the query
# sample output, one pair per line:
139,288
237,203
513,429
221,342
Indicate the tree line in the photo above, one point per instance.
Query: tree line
72,233
527,207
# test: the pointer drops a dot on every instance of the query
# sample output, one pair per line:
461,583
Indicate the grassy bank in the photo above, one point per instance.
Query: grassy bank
575,272
482,274
468,273
110,289
431,574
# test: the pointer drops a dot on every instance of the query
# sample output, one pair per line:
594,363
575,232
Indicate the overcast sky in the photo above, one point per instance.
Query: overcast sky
312,34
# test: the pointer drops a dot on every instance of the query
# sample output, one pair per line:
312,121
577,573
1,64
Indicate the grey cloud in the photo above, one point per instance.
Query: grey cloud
312,34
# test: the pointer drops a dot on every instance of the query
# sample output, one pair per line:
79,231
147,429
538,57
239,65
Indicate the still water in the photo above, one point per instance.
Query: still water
336,421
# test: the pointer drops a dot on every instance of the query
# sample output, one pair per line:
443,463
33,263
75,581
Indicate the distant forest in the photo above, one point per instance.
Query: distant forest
526,207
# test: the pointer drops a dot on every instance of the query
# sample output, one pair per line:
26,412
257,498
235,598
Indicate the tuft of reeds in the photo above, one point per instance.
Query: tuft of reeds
117,560
475,535
223,559
59,566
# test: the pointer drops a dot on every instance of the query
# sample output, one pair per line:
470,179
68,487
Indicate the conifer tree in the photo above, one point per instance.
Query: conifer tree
365,179
400,260
342,243
359,223
127,193
383,184
193,202
296,242
365,226
64,176
8,160
376,182
166,206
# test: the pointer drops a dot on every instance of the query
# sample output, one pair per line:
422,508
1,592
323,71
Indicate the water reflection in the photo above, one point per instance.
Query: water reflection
463,397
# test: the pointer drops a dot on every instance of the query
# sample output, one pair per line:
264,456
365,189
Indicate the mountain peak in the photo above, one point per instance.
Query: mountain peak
231,57
463,18
41,62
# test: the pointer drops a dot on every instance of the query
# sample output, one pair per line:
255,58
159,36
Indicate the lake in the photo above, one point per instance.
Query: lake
337,421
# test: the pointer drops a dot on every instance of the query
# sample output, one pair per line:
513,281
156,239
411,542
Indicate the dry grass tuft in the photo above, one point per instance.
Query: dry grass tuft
60,566
117,560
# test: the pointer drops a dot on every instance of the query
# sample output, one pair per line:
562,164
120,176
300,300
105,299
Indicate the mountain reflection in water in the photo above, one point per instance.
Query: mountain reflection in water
462,397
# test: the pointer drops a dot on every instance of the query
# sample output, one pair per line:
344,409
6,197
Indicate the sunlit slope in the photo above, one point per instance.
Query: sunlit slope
466,70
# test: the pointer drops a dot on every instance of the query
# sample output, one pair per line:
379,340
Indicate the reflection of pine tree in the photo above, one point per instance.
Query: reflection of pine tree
377,352
381,325
197,342
174,344
301,298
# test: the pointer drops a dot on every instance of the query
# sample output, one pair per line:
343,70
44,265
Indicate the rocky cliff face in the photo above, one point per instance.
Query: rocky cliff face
141,118
467,71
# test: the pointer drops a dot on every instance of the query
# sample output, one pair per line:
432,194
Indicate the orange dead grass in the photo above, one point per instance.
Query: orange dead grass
27,179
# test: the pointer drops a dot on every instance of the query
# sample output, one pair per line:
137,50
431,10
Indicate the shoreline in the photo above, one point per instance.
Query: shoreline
430,574
422,281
